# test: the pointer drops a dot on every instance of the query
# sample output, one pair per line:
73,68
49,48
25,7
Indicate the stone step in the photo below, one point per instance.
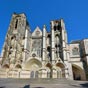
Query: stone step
41,83
51,81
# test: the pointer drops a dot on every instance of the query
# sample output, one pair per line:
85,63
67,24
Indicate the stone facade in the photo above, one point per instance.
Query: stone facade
42,54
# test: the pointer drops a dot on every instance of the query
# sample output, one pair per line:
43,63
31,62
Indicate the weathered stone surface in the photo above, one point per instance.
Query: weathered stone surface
42,54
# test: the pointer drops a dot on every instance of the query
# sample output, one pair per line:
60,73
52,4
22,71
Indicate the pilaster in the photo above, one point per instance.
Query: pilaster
25,44
44,43
52,41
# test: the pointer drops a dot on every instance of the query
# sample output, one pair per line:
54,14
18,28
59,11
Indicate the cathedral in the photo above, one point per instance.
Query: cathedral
42,54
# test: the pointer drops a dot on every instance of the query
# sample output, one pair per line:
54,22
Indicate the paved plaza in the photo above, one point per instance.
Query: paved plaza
42,83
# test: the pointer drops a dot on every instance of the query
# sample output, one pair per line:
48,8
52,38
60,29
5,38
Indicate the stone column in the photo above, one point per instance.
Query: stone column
69,64
3,50
66,63
44,44
64,49
25,44
2,53
52,41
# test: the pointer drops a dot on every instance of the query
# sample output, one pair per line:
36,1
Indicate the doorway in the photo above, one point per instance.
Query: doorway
34,74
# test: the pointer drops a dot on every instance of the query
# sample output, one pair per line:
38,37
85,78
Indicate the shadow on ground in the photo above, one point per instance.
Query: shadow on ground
84,85
26,86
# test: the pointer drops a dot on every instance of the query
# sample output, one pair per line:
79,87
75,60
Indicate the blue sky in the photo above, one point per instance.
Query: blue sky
40,12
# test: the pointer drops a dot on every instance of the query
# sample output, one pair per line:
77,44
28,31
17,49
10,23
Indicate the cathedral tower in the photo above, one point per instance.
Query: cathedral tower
16,42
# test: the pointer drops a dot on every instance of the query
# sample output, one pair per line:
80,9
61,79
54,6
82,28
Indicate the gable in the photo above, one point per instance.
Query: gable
37,32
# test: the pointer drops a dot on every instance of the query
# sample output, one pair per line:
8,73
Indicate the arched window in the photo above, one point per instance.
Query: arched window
16,23
75,51
13,37
48,39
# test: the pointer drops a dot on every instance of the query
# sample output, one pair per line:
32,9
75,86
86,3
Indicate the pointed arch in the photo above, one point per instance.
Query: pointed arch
49,65
61,65
6,66
78,72
33,64
61,69
18,66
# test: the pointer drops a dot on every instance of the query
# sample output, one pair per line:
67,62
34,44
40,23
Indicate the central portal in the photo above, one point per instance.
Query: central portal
33,65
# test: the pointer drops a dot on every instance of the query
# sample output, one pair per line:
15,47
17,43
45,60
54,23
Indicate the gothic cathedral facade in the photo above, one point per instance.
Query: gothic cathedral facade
42,54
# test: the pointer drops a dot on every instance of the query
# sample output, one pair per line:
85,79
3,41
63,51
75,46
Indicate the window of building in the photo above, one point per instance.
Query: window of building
16,23
55,28
34,55
9,52
75,51
23,37
22,49
13,37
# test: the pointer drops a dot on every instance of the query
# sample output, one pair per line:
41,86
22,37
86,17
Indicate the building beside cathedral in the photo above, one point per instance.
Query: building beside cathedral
42,54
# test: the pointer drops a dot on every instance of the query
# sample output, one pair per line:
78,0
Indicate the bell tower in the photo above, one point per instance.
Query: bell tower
59,47
16,41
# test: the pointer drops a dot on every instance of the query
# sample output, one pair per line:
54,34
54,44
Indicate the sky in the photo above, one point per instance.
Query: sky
40,12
